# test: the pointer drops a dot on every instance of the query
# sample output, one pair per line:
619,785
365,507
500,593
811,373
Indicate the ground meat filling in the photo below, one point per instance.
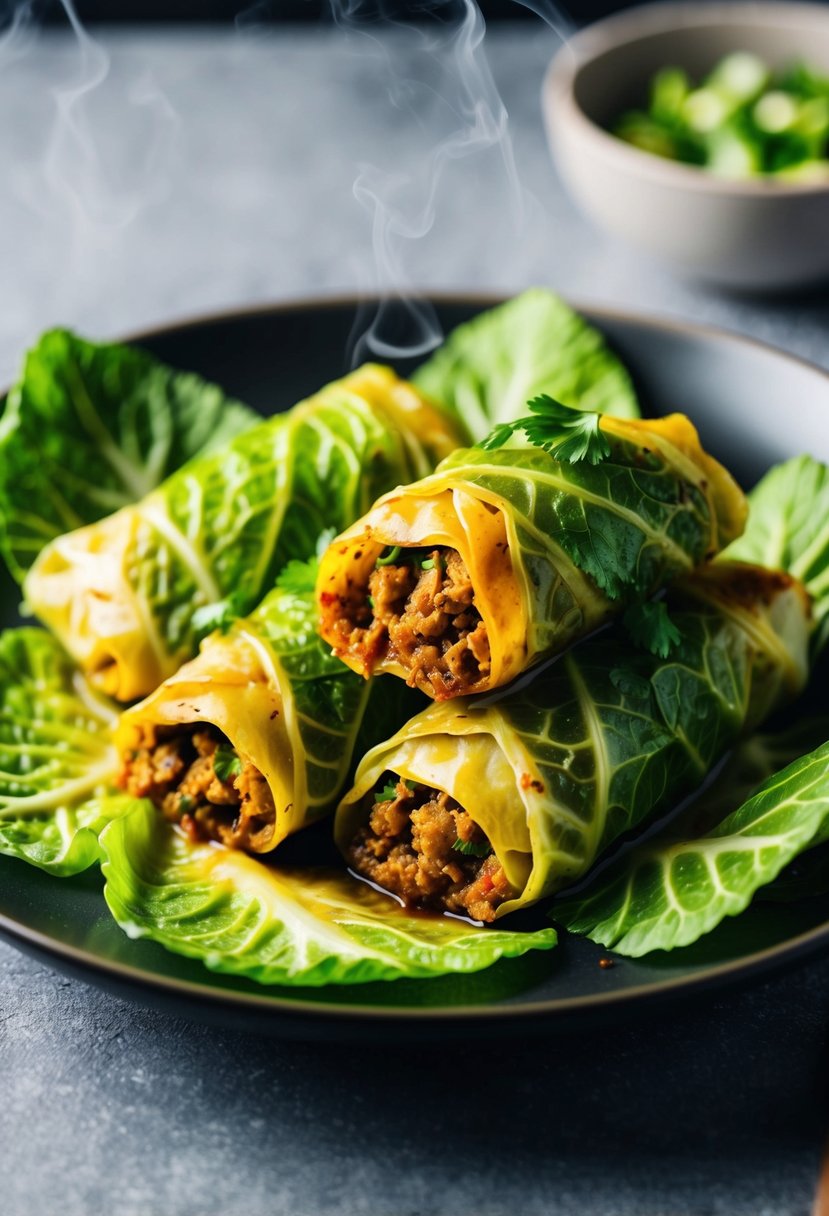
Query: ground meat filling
423,847
195,778
420,610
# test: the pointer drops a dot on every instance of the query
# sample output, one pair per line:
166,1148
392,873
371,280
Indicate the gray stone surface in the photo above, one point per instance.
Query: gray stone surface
208,170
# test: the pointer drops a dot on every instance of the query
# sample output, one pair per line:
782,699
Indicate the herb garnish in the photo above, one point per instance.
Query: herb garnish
389,791
565,432
298,578
226,763
650,627
470,849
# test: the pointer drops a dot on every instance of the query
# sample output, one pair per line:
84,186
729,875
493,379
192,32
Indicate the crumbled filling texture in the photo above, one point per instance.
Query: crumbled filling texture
420,610
195,778
423,847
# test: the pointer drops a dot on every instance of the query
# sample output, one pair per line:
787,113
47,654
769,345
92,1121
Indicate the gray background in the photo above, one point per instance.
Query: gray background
148,177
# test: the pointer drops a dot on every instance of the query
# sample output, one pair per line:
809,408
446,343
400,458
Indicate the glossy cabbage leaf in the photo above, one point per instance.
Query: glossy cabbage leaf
283,702
242,917
788,529
552,549
56,756
557,768
489,368
90,427
668,892
680,885
126,595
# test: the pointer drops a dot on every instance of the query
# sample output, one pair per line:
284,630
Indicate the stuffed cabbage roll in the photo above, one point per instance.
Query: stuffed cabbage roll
463,580
130,596
253,739
479,807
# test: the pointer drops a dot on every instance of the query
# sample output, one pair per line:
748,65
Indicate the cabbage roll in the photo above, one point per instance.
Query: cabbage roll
463,580
253,739
131,596
482,806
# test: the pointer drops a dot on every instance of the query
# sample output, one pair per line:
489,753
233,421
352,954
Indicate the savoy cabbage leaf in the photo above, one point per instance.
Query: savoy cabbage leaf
57,758
489,368
90,427
242,917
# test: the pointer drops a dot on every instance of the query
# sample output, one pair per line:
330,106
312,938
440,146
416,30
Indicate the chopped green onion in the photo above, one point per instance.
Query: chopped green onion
775,112
185,804
740,76
470,849
389,791
389,558
226,763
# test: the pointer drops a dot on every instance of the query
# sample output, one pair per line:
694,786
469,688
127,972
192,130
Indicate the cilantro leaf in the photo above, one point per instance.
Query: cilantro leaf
650,627
300,578
499,435
389,791
470,849
567,434
226,763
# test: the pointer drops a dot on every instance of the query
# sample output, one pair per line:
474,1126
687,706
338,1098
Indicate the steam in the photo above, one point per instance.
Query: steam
86,170
79,198
81,185
16,38
439,78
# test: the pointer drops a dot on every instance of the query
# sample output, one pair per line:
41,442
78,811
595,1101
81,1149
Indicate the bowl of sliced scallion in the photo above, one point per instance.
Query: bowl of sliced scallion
700,133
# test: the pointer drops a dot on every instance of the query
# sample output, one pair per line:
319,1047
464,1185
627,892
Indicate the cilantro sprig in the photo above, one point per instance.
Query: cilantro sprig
389,791
567,433
300,578
650,627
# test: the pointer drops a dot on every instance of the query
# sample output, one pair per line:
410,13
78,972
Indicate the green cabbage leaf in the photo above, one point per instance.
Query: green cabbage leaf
242,917
56,757
490,367
555,769
788,530
128,594
672,890
682,883
90,427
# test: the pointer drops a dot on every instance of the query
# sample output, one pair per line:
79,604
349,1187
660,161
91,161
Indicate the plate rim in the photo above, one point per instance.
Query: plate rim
773,958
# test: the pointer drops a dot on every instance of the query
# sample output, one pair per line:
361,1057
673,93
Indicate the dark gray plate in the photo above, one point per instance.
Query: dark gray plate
754,406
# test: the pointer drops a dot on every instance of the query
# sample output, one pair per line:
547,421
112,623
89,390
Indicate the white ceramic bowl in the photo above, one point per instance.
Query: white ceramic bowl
756,235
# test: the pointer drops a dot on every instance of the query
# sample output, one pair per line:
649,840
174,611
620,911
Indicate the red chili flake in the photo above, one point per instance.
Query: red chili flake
327,598
606,963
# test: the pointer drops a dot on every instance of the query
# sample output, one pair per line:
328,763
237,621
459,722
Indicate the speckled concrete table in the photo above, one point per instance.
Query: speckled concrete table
153,176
